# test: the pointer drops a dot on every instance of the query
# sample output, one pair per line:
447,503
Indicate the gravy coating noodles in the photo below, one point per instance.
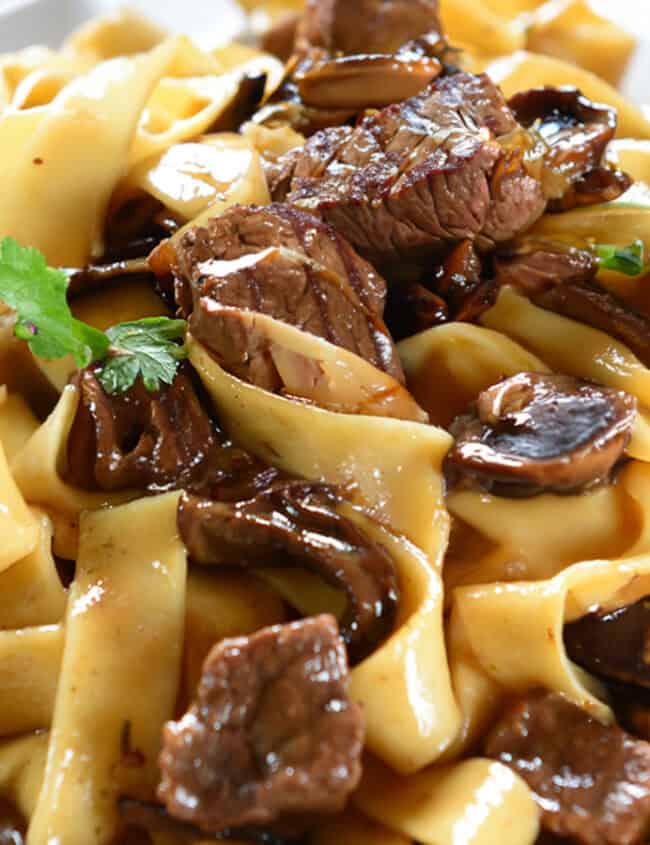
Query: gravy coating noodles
325,431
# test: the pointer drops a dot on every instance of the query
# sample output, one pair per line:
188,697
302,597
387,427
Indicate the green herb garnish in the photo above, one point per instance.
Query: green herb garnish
629,260
37,293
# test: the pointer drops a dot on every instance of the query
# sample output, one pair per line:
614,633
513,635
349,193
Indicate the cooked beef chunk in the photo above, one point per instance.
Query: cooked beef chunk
154,818
534,267
297,524
591,781
572,134
272,733
535,433
411,308
591,304
284,263
138,439
614,644
340,27
418,176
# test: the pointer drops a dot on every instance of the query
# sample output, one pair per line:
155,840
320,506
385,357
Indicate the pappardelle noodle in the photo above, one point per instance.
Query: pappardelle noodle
325,431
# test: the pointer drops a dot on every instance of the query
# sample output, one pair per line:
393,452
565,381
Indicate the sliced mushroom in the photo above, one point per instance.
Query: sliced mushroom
535,433
591,304
568,137
614,644
535,266
296,523
369,81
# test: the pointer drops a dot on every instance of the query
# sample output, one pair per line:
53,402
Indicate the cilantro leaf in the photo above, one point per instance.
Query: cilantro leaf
145,348
37,293
628,260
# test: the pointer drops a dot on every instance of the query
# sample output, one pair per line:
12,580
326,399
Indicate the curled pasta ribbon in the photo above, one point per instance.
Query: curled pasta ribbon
476,802
125,617
512,634
573,348
448,366
377,458
22,763
17,422
18,527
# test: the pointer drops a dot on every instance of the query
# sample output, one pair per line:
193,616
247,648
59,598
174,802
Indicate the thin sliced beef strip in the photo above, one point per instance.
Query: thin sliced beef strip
591,781
284,263
272,733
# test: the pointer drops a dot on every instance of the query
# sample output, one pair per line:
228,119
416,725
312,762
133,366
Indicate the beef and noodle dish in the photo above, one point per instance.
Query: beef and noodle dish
325,431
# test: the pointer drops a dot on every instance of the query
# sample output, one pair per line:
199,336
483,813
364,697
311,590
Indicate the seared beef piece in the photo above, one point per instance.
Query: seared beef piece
295,523
591,781
535,433
272,733
154,818
573,135
614,644
141,440
534,267
284,263
591,304
340,27
411,308
418,176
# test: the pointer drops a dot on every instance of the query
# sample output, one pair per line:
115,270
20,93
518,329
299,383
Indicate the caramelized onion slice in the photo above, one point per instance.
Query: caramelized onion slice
369,81
535,433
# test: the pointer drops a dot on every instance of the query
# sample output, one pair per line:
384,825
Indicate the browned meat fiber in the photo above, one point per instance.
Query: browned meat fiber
419,176
272,733
591,781
284,263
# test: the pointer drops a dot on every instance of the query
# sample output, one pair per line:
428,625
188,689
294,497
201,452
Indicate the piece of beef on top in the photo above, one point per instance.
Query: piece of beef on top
284,263
417,177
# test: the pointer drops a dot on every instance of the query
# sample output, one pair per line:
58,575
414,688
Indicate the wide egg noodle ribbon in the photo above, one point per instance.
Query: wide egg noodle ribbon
568,346
22,763
377,458
91,122
514,632
19,528
120,671
29,670
448,366
31,592
476,802
17,422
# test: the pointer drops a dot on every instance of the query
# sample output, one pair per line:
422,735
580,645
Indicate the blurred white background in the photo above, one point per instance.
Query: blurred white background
213,22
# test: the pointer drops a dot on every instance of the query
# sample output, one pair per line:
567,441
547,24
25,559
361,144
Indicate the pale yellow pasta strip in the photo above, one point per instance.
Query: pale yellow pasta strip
31,592
476,802
92,122
378,458
632,156
120,671
17,422
571,347
19,530
476,25
620,222
29,671
120,33
448,366
22,763
36,466
515,630
405,686
523,70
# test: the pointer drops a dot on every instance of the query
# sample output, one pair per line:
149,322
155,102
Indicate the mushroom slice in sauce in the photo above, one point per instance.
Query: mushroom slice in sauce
535,433
295,523
272,733
614,644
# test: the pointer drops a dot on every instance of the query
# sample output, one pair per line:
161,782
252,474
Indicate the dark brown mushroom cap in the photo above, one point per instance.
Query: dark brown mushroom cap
615,644
272,733
572,135
535,433
295,523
